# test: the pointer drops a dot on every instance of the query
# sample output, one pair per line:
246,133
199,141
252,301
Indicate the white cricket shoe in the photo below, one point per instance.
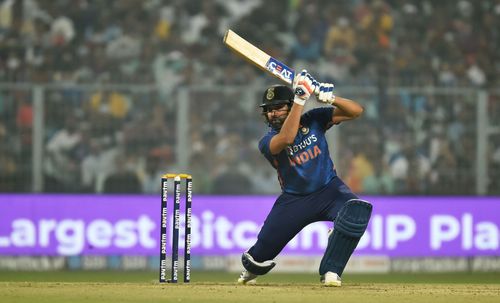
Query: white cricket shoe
331,279
247,277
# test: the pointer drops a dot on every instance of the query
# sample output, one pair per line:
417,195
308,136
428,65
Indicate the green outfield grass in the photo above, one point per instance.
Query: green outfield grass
108,286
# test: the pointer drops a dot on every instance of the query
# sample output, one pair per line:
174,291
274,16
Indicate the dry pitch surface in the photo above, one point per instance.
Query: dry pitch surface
219,287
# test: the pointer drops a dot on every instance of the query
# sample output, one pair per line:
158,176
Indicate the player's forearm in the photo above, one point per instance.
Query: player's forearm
291,125
349,108
288,131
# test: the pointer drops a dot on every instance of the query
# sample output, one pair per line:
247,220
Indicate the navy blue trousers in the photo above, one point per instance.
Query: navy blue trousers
291,213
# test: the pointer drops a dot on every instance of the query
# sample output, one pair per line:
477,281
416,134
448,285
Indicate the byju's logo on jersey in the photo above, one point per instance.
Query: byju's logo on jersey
279,69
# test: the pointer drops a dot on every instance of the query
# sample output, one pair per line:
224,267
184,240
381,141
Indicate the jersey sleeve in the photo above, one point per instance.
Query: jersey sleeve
321,115
264,147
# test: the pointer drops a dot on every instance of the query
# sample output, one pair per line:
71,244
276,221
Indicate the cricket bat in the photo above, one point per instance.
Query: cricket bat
258,57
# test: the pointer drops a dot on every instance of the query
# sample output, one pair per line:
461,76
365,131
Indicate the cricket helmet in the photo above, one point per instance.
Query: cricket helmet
276,95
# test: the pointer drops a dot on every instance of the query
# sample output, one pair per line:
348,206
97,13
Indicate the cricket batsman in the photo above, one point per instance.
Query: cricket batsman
311,190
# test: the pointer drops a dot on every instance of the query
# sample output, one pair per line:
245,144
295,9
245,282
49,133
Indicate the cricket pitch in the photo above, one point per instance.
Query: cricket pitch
219,287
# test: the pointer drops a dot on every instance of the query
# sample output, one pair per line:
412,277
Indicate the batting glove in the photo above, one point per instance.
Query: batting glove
303,86
326,93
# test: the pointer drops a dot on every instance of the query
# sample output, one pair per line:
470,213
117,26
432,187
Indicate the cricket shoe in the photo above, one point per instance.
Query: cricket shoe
247,277
331,279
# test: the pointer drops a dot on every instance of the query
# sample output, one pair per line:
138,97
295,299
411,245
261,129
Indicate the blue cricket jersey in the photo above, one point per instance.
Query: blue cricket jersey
305,166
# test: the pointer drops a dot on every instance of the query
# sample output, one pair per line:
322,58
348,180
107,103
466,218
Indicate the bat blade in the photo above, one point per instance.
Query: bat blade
259,58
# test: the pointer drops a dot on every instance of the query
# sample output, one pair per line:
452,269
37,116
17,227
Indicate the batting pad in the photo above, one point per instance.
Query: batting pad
350,225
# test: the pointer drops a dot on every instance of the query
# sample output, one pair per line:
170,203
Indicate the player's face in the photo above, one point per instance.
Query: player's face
276,115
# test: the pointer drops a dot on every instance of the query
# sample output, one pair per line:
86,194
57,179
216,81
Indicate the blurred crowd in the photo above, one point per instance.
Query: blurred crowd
98,140
177,42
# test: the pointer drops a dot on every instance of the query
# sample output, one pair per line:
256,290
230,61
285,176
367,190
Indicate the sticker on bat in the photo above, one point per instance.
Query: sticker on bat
280,70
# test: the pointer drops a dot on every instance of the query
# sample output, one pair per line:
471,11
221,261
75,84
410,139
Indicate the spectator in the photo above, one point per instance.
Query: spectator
122,180
62,166
305,50
8,166
380,182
